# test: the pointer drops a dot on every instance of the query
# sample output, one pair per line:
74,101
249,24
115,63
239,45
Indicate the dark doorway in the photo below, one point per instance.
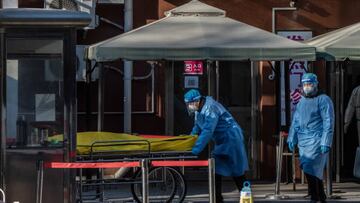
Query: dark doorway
350,139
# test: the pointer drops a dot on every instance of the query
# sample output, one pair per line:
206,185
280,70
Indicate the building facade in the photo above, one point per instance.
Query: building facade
250,95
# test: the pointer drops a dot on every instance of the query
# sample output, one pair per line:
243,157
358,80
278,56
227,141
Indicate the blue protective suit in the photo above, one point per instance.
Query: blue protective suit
312,127
214,122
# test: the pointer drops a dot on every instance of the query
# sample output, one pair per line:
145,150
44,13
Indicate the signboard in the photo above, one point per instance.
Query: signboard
191,82
193,67
296,70
296,35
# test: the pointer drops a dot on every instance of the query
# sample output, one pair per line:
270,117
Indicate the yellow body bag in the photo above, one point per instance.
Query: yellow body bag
136,143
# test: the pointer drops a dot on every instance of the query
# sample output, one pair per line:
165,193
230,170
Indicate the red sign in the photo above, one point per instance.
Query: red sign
193,67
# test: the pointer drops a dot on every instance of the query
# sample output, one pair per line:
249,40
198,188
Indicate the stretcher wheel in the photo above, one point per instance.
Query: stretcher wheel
163,183
181,187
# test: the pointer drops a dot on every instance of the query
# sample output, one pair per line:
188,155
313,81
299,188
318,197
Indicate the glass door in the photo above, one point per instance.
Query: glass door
34,90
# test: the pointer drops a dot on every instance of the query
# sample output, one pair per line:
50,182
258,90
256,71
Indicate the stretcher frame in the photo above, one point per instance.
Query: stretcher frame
120,156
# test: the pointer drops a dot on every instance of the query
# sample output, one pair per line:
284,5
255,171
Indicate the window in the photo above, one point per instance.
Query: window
34,89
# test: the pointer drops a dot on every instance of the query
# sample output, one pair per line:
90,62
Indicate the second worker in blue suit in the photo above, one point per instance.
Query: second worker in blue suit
312,131
214,122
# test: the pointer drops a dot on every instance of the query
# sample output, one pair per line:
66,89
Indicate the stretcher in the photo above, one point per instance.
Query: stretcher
166,183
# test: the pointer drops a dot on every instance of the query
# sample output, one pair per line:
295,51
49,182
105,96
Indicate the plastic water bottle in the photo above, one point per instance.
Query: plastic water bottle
245,194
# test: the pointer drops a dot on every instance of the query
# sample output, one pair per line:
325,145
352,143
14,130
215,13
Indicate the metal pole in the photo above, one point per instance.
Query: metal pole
209,75
80,185
217,96
337,127
302,177
341,115
100,122
328,177
254,115
102,186
282,86
332,69
40,181
153,88
101,85
273,26
211,79
3,129
273,15
293,169
88,95
278,170
169,98
128,69
279,164
145,180
212,192
128,15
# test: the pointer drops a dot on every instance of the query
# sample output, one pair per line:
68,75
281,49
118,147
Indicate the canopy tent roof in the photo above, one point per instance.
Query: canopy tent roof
339,44
199,31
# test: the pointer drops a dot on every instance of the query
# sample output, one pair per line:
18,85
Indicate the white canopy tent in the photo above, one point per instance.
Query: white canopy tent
196,31
199,31
339,44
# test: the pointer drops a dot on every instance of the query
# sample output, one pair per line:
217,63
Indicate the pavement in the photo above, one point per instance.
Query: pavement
342,192
197,191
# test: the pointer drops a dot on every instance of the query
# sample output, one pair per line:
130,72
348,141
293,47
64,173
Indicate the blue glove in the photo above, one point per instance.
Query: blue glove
291,146
324,149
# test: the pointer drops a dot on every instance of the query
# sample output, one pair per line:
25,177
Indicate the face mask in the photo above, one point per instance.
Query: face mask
309,90
192,108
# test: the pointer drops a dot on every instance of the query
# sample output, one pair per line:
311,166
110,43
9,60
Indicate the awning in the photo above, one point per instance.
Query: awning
339,44
30,17
199,31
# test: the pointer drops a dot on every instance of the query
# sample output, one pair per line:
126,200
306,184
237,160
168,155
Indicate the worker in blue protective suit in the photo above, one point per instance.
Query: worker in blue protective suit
312,131
214,122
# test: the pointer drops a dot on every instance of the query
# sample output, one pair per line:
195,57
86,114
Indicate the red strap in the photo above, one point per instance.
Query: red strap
180,163
92,165
123,164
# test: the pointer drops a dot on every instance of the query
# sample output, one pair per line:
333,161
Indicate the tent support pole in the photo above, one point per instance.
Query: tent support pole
211,79
101,84
337,124
128,70
254,115
169,98
217,80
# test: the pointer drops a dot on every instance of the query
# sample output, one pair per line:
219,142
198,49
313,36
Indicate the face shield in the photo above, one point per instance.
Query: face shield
192,107
309,88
